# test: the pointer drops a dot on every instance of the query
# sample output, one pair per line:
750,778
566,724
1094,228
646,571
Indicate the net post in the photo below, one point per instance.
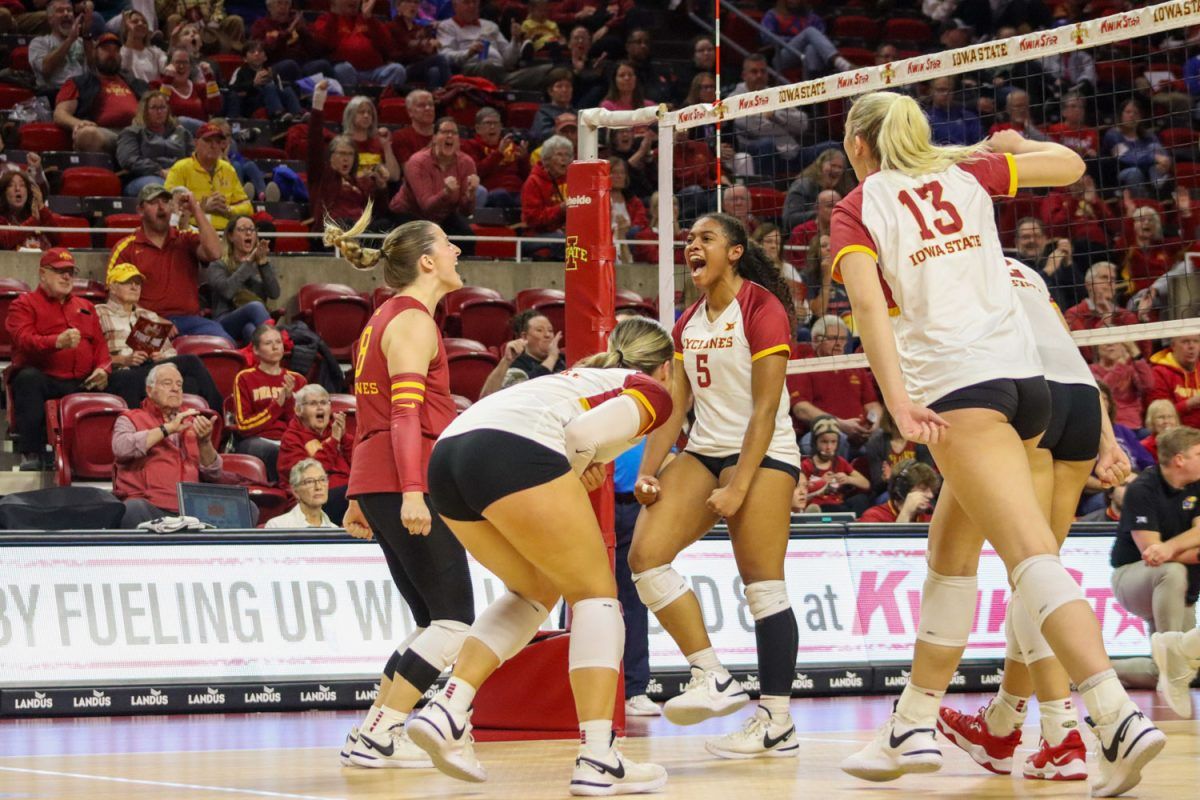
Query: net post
666,222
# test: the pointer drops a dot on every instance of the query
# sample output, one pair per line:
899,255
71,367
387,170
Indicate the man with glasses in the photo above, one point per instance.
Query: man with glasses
58,349
211,178
310,484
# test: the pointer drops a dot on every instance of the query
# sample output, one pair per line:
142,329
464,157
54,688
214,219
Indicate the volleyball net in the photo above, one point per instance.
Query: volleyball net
1122,90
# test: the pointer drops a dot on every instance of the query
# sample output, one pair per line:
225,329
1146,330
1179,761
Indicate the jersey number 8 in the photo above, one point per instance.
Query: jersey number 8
952,222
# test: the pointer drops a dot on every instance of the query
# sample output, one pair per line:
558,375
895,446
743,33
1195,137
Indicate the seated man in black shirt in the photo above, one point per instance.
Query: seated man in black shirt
535,352
1154,578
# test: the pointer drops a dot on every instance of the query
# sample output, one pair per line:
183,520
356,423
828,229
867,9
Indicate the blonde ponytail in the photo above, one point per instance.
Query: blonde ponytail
637,343
400,252
898,133
344,241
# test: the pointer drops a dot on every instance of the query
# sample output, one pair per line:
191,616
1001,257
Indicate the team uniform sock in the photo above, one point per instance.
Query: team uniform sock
383,720
1006,713
776,705
459,695
1058,720
595,736
918,707
706,660
1104,697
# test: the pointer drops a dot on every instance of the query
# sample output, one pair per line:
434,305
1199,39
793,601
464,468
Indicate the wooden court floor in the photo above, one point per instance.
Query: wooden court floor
294,756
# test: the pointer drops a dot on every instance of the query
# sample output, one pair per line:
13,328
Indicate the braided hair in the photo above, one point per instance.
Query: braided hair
402,248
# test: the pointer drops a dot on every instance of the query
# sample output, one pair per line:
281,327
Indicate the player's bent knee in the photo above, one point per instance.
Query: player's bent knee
947,609
508,624
597,634
1044,586
658,587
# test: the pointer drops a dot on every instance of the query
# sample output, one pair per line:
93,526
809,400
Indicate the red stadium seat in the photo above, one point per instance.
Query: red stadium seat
89,290
487,321
221,360
80,240
90,182
227,63
80,431
336,312
384,293
528,298
468,371
520,115
451,304
633,303
854,27
766,202
271,501
290,244
1013,210
1177,137
461,402
131,221
42,136
1187,174
494,249
348,405
907,29
335,106
858,56
456,344
11,95
10,289
218,418
1117,74
20,59
392,111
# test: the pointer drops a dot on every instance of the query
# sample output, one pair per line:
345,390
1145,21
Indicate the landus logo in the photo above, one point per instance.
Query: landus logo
576,256
802,681
155,698
96,699
654,687
993,678
897,681
371,694
324,694
38,701
212,697
267,695
958,680
851,680
750,683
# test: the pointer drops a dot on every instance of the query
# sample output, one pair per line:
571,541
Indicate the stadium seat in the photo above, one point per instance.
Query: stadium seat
468,371
528,298
10,289
271,501
494,249
69,206
10,95
454,300
221,360
392,111
852,26
255,152
520,115
633,303
766,202
336,312
195,401
556,312
1177,137
80,430
41,136
19,58
92,291
1117,74
58,159
487,320
120,221
346,404
858,56
457,344
1187,174
908,29
80,240
89,181
335,106
384,293
290,244
739,30
227,63
100,207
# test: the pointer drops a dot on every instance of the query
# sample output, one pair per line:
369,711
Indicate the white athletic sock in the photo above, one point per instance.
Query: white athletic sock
776,705
706,660
1104,697
595,736
384,719
1190,644
365,725
458,694
1058,720
918,707
1006,713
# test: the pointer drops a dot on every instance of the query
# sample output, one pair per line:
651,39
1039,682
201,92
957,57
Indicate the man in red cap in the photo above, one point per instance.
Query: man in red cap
210,178
58,349
95,106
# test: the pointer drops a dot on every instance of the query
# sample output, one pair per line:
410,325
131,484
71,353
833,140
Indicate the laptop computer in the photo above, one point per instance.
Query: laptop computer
220,505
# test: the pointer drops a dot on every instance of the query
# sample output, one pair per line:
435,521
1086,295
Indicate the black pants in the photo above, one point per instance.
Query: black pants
31,388
637,636
130,382
336,505
430,571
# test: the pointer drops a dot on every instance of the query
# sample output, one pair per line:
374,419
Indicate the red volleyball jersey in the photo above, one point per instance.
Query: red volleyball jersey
373,468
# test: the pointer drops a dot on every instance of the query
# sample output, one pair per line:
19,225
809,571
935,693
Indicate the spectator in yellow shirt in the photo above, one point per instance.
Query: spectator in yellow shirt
211,178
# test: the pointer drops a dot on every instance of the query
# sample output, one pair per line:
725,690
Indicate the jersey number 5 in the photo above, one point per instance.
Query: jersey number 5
703,376
948,224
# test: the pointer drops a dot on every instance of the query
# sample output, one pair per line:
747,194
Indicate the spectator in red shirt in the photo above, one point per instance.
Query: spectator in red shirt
416,46
22,203
1016,117
1130,378
264,400
439,185
316,432
1100,309
289,42
833,484
501,159
806,231
1161,416
415,137
1148,255
911,492
1073,131
1177,377
847,396
358,44
191,102
335,187
94,107
1079,213
58,349
544,195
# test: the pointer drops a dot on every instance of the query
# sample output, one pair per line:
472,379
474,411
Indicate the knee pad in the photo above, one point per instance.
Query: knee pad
1034,646
597,634
660,586
1044,586
767,598
947,609
393,663
508,624
438,645
1012,643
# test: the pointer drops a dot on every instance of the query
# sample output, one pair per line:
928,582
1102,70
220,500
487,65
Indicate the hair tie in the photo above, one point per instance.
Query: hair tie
620,355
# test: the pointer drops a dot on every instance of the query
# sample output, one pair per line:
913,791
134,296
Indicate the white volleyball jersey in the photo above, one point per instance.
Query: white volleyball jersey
954,311
1061,359
540,409
717,356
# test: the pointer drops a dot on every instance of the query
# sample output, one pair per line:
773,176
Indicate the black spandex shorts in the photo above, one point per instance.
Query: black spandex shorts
1074,430
1025,402
718,464
468,473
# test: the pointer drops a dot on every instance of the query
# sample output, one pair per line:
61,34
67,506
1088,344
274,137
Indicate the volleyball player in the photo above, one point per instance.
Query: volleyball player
959,370
402,390
741,463
1060,465
511,478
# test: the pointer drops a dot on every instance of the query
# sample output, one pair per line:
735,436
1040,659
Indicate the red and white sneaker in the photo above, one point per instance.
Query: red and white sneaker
1064,762
970,733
